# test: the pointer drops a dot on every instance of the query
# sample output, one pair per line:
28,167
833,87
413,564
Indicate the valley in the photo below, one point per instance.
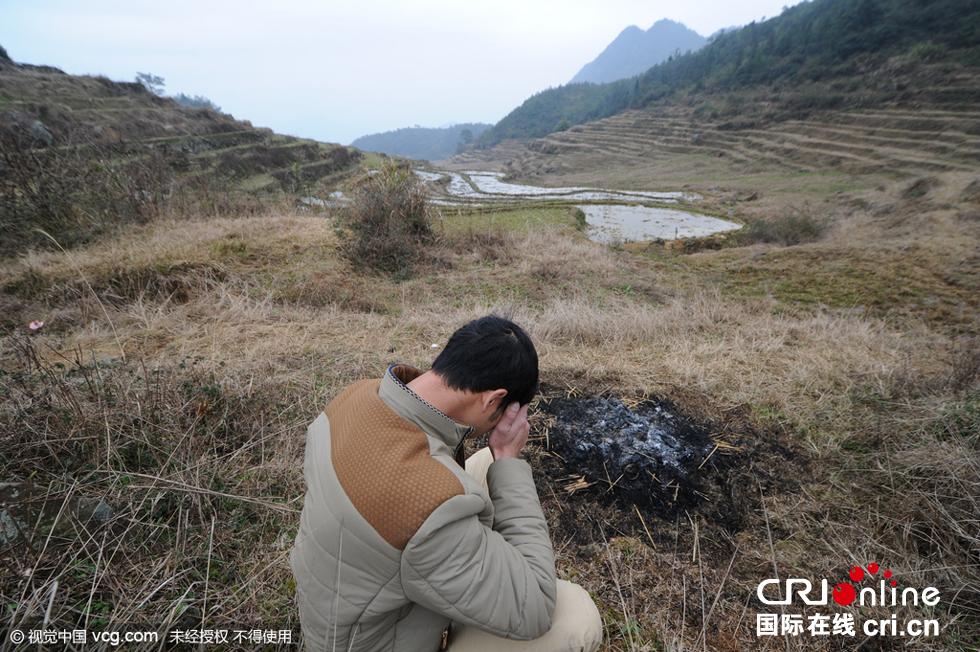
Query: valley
813,376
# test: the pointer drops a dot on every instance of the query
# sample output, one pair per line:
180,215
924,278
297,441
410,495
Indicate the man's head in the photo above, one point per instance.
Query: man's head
490,353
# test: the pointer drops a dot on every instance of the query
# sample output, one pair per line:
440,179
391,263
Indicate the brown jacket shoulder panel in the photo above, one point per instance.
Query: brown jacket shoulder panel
396,491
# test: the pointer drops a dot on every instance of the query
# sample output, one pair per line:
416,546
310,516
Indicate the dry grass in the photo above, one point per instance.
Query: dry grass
180,361
731,349
188,461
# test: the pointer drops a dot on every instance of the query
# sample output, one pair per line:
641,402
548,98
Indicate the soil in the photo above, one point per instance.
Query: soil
598,455
647,454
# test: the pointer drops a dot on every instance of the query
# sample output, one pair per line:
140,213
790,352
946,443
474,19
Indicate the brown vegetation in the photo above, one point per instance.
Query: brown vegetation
181,359
80,156
387,223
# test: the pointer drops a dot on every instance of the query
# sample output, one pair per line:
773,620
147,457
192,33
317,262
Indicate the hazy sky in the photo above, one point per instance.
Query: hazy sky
335,70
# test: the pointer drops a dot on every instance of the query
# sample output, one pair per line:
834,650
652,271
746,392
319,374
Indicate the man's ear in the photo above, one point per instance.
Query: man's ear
489,397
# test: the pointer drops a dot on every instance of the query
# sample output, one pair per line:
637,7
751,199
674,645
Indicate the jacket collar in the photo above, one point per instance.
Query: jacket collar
410,406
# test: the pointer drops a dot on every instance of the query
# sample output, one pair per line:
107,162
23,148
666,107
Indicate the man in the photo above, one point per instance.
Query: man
397,541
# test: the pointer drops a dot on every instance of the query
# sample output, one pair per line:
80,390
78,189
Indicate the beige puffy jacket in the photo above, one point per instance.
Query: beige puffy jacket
396,540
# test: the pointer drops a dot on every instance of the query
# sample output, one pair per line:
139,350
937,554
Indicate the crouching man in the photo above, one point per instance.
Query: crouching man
400,548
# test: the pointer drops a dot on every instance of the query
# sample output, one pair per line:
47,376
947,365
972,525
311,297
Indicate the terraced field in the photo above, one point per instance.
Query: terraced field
903,141
169,368
129,121
897,187
869,215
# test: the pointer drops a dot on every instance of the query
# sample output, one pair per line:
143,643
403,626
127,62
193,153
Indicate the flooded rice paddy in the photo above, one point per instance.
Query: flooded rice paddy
626,218
614,223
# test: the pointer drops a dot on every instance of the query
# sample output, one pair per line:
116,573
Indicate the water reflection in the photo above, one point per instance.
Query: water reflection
491,186
611,224
608,223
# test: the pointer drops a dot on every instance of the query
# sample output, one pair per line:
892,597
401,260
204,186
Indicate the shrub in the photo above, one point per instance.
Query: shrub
100,432
706,111
920,187
793,229
387,224
74,191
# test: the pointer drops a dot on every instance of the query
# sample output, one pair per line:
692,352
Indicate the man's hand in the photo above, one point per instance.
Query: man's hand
510,434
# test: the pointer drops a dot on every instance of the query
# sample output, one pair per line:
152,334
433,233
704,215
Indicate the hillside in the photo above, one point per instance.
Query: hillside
635,51
869,215
793,56
81,154
157,380
925,134
422,143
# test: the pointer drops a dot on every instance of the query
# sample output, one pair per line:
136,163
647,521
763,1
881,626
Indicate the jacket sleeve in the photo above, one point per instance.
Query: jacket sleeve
502,580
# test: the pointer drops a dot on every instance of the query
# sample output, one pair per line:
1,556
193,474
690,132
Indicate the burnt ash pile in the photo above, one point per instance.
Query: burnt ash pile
646,453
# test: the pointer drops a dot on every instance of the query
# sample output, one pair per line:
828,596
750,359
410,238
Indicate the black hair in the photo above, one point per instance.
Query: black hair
490,353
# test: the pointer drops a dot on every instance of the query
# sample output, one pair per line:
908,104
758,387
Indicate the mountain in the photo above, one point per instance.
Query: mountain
557,109
815,55
422,143
635,51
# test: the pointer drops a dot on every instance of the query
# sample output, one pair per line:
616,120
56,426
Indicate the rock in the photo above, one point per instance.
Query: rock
28,511
40,134
591,550
89,509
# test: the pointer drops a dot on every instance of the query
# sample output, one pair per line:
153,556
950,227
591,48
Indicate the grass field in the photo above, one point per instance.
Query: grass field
180,361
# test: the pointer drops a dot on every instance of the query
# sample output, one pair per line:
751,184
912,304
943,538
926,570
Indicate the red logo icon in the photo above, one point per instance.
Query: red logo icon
845,593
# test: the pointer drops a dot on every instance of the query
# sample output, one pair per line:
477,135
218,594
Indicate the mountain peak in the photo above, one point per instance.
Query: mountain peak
635,51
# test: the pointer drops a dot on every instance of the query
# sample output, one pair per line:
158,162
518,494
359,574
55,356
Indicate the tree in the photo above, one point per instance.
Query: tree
465,138
151,82
198,101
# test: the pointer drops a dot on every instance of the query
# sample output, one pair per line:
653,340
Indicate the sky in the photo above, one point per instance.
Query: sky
334,70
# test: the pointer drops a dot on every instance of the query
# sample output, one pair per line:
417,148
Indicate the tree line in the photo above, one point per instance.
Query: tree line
806,43
421,143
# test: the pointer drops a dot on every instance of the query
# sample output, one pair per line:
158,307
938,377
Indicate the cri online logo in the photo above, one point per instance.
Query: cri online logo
845,593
